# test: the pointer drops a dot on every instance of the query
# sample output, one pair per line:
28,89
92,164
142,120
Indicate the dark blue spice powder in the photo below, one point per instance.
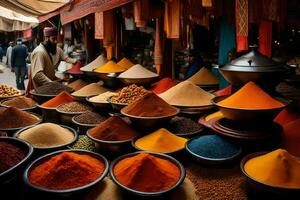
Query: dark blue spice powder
213,146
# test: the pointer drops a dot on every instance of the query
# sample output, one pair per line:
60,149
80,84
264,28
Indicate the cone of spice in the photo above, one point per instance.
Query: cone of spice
125,63
15,118
60,99
89,117
161,141
90,90
20,102
286,116
110,67
162,85
149,105
129,94
146,173
291,137
10,155
277,168
183,125
66,170
187,94
224,91
204,77
99,61
52,88
113,129
47,135
75,69
102,98
137,72
251,96
78,84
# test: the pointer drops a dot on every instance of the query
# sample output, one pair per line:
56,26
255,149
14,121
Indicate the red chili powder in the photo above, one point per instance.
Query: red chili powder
149,105
162,85
75,69
10,155
60,99
224,91
113,129
291,137
286,116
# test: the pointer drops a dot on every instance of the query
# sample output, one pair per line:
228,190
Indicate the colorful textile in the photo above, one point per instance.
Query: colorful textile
241,14
99,29
265,38
141,12
207,3
158,54
172,19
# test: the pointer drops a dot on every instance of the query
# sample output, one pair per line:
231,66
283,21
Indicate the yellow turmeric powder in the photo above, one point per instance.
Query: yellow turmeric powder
110,67
278,168
250,96
125,63
213,115
161,141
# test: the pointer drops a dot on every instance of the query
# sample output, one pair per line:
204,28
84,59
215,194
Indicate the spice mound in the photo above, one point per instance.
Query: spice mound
150,105
213,116
66,170
162,85
129,94
73,107
204,77
47,135
277,168
52,88
110,67
85,143
78,84
137,71
15,118
102,98
250,96
10,155
187,94
60,99
89,117
90,90
20,102
146,173
213,147
183,125
125,63
113,129
8,91
161,141
99,61
291,137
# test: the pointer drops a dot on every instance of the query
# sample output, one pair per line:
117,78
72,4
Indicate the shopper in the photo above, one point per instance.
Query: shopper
46,57
8,55
18,62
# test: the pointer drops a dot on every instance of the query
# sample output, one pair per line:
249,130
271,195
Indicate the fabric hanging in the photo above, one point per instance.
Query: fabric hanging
109,33
241,13
172,19
207,3
141,12
227,40
67,31
265,38
158,54
99,29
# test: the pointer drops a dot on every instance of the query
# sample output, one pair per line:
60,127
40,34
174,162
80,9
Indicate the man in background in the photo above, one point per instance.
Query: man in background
8,55
18,62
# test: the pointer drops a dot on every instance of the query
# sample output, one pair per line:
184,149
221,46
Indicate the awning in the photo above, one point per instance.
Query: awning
12,21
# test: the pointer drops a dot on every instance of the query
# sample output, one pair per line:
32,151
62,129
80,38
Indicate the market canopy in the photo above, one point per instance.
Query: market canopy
13,21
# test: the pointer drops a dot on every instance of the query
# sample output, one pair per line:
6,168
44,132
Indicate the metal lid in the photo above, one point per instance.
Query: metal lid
254,62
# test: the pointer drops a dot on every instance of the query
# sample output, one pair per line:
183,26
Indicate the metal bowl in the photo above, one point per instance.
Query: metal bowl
209,87
12,172
248,114
260,186
111,147
44,150
139,81
116,106
106,105
79,98
211,161
82,128
70,193
149,122
24,109
50,114
41,98
196,110
110,79
148,194
11,131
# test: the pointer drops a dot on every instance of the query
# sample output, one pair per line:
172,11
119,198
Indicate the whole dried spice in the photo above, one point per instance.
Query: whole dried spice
85,143
8,91
146,173
66,170
78,84
10,155
15,118
52,88
73,107
89,117
129,94
183,125
20,102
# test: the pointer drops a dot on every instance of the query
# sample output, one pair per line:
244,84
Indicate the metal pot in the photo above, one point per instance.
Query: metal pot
255,67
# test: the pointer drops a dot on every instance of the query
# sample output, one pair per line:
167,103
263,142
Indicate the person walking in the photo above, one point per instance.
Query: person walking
1,53
45,58
18,62
8,55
